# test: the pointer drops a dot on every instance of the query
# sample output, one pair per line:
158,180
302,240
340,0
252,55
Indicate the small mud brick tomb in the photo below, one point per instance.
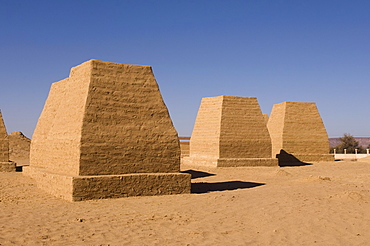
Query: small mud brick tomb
19,148
298,133
105,132
5,164
230,131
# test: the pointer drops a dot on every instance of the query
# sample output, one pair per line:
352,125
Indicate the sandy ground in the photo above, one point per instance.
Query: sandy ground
319,204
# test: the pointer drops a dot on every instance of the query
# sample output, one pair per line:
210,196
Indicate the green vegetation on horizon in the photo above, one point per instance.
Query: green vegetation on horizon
349,143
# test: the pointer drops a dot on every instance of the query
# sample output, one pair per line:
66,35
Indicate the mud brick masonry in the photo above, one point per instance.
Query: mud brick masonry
230,132
184,146
19,148
298,133
105,132
5,164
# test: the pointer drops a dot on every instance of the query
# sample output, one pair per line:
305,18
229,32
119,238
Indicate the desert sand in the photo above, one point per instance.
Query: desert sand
321,204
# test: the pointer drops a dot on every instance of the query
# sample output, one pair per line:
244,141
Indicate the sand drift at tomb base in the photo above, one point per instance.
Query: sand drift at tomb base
298,133
105,132
230,132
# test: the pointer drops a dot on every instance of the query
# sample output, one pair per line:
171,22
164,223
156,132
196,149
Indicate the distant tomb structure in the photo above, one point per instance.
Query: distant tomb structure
230,131
184,146
298,133
105,132
5,164
19,148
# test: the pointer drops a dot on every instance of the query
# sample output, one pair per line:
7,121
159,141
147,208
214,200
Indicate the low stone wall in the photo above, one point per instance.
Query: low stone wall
350,156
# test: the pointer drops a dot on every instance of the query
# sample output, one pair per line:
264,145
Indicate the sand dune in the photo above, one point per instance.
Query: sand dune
320,204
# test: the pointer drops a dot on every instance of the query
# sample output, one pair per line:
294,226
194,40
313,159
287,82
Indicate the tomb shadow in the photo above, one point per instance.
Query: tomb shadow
199,188
198,174
19,169
288,160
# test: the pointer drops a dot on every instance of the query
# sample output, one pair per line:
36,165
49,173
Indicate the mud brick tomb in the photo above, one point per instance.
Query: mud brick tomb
19,148
298,133
5,164
230,131
105,132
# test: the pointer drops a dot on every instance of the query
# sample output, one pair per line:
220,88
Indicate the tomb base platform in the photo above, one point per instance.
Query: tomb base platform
79,188
8,166
304,158
230,162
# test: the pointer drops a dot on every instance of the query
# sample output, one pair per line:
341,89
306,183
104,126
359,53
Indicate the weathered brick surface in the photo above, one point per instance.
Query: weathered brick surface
79,188
297,129
230,131
148,184
134,120
106,119
4,141
58,185
185,149
19,148
205,138
5,164
56,139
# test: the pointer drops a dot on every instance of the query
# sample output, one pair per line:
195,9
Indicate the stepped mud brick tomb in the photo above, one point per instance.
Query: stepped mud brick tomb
298,133
230,132
5,164
105,132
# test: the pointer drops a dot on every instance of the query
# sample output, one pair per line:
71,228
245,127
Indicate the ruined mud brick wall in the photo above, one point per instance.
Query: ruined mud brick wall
5,164
297,129
106,119
230,131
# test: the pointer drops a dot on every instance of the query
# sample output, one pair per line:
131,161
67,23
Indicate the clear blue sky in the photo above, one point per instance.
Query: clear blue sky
304,51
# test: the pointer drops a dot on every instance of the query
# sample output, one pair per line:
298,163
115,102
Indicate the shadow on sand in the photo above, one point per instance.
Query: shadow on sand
198,174
199,188
288,160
